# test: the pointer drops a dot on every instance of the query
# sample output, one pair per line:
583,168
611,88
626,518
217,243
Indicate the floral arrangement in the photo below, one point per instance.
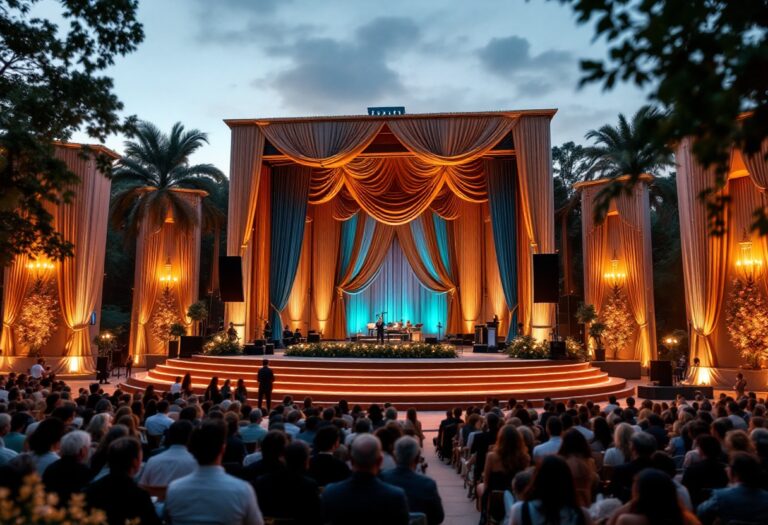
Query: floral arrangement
221,345
619,323
747,319
32,506
177,330
166,315
526,347
38,319
369,350
575,350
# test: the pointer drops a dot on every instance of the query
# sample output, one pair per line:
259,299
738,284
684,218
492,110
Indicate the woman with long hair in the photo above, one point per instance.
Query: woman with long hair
186,385
412,425
620,452
226,390
603,437
550,499
576,452
212,393
654,502
507,457
241,393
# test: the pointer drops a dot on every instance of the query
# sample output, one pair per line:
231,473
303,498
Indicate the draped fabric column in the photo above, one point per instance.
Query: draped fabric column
502,203
149,253
533,152
293,315
83,222
468,244
594,238
290,188
244,177
634,223
758,167
704,258
185,259
257,305
494,289
15,281
326,231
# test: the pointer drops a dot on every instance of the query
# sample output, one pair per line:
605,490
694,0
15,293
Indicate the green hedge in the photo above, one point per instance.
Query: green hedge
369,350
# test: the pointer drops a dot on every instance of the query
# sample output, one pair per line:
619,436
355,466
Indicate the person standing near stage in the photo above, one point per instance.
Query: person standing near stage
266,379
741,385
380,329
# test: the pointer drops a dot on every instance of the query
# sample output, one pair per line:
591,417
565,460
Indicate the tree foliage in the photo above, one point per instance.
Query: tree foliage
51,86
39,316
703,63
747,319
166,315
618,321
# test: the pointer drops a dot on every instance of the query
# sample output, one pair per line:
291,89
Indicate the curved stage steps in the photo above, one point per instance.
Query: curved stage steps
426,384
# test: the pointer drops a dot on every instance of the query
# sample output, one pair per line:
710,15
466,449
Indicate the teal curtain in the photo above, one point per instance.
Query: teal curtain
290,191
502,177
397,291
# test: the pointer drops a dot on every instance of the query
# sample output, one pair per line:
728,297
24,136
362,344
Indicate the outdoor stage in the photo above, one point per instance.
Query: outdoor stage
425,384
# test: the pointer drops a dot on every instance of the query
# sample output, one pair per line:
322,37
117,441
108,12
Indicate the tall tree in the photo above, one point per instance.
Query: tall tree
51,86
702,62
161,162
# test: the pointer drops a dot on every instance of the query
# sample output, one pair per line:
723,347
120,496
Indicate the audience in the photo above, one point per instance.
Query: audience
70,474
174,462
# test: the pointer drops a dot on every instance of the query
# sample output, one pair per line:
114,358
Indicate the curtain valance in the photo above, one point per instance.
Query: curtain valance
758,166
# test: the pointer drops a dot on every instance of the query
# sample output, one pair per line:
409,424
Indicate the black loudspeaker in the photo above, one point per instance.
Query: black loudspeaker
661,372
173,349
557,350
546,278
430,340
231,279
480,349
313,337
190,344
102,367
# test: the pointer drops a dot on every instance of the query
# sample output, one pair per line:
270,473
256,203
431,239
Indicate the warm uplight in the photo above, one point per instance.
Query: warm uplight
40,268
615,277
671,341
749,267
167,278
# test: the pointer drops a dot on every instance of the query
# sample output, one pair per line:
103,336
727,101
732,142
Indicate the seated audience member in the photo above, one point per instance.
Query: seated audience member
576,452
272,455
552,445
253,433
15,439
311,425
743,501
663,462
420,490
44,441
173,463
363,497
708,473
324,468
483,441
654,501
158,423
278,492
236,450
210,495
6,454
117,493
506,458
643,445
70,474
550,497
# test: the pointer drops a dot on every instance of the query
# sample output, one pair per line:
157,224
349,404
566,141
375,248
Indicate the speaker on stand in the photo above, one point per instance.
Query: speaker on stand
231,279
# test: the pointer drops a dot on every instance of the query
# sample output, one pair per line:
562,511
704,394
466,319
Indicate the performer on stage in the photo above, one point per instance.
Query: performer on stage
380,329
232,333
267,330
741,385
266,379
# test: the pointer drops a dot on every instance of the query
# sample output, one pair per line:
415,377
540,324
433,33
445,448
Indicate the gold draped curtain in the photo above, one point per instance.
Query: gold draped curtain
293,313
15,283
468,245
185,262
705,256
595,241
146,284
326,233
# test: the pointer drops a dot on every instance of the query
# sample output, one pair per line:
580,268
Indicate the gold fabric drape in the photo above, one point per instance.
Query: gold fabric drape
353,281
244,179
496,300
758,166
595,246
15,283
293,313
326,232
258,309
186,263
82,221
468,245
451,141
149,263
634,223
537,216
704,256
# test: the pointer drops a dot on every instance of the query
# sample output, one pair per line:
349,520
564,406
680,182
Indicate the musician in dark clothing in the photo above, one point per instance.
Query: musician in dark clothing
267,330
380,329
266,379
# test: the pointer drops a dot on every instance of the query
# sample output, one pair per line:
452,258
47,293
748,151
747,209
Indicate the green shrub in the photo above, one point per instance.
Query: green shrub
369,350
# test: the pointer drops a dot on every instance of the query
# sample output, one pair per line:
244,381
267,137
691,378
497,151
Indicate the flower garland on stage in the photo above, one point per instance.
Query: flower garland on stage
370,350
747,320
39,316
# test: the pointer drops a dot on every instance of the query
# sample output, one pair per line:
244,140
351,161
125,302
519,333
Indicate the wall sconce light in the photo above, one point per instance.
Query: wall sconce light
749,267
615,277
168,278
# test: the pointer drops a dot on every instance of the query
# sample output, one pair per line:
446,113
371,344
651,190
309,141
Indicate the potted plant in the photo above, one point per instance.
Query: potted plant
198,312
596,334
177,330
585,315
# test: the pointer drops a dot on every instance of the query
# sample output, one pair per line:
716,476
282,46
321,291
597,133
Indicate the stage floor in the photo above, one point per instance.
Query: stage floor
426,384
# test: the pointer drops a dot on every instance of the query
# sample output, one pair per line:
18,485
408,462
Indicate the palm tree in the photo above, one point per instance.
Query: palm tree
153,166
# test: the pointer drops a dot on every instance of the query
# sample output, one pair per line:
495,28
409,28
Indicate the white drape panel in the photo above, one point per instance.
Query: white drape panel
635,236
83,221
244,178
705,256
322,144
451,141
533,152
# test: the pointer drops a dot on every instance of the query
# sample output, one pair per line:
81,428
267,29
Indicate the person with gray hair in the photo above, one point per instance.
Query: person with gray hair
6,454
363,497
70,474
421,491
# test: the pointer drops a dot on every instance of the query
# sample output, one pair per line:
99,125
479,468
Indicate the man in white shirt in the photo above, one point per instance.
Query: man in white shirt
210,495
157,425
176,386
37,370
175,462
552,446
